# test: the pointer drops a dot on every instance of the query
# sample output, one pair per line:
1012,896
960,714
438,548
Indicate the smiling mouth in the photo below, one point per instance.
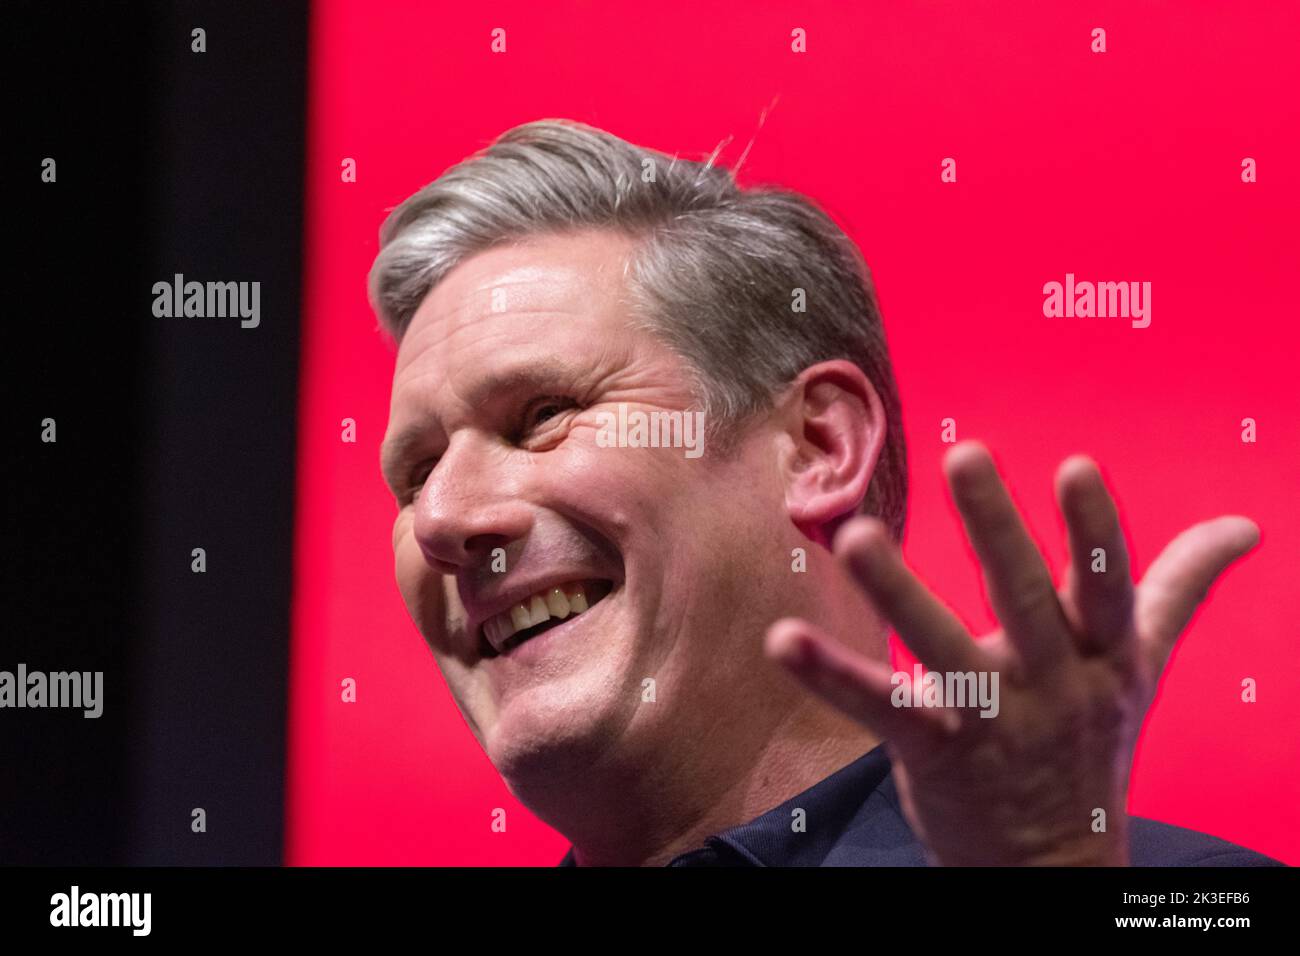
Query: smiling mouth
538,613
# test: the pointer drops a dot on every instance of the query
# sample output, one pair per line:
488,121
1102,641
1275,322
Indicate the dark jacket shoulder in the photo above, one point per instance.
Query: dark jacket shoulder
1152,843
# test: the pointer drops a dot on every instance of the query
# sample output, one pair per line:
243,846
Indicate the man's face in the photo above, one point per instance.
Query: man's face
499,381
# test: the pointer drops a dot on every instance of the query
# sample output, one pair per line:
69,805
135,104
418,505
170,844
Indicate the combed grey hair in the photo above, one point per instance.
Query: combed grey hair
714,273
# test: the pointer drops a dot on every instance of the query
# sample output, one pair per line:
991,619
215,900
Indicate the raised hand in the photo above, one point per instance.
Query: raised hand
1045,781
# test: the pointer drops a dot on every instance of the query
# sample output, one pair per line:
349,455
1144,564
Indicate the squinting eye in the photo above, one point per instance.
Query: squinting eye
416,484
542,415
544,409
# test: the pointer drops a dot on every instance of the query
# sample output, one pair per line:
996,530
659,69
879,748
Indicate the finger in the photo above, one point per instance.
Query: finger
932,632
858,686
1019,583
1100,580
1180,578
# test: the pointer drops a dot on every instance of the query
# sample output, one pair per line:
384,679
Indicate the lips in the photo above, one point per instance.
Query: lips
538,611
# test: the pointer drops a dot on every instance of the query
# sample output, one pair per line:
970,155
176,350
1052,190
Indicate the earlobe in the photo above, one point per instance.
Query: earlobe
836,424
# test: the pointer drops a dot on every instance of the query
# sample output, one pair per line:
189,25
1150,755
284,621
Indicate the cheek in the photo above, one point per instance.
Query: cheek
639,484
406,554
401,527
420,586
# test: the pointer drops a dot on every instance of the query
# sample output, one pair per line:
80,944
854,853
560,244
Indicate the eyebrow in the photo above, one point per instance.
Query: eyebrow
525,374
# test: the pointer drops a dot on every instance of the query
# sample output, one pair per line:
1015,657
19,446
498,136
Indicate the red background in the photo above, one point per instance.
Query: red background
1117,166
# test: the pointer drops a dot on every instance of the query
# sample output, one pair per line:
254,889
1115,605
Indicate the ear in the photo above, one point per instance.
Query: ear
834,426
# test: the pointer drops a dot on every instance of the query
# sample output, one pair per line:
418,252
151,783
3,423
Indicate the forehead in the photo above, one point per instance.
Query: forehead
536,294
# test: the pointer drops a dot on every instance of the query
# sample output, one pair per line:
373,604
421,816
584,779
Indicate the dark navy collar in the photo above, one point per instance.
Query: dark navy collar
851,818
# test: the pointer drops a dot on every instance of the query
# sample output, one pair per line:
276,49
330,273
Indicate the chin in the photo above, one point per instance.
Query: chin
549,732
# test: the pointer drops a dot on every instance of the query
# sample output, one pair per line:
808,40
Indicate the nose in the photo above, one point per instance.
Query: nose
467,508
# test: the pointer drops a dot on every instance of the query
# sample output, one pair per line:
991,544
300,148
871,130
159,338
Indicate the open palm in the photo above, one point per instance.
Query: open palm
1045,781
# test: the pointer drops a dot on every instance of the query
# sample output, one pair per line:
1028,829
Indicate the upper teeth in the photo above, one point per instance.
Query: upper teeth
557,602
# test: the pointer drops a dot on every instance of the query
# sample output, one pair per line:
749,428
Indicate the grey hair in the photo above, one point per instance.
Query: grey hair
714,273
